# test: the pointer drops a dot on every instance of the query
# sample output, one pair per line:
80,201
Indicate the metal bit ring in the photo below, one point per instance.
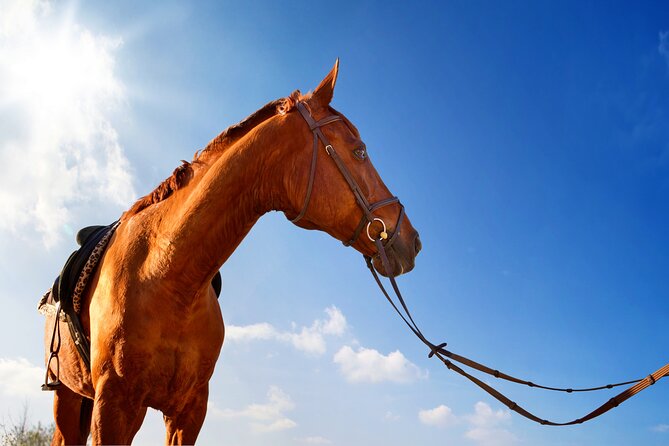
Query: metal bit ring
383,235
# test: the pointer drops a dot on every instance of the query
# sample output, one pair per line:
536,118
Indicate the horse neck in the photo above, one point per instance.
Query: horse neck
201,225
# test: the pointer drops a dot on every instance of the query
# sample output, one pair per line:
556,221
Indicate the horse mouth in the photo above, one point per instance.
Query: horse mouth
401,257
398,265
397,268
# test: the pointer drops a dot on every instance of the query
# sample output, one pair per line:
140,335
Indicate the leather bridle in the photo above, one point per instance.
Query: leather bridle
383,243
367,208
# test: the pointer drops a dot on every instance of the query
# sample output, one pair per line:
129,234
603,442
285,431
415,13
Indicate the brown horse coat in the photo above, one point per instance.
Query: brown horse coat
154,323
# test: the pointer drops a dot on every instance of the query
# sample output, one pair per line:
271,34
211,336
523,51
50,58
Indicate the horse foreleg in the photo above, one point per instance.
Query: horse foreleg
72,414
116,416
184,426
139,419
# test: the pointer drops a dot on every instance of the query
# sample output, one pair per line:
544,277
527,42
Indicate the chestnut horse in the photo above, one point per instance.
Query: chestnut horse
151,314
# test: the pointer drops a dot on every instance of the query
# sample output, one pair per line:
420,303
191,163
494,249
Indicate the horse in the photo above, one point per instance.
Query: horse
150,312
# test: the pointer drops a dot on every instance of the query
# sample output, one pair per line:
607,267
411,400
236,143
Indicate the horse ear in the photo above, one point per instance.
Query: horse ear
322,95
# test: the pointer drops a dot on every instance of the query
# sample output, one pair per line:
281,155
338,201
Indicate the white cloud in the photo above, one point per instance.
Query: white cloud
57,142
663,47
275,426
389,416
491,437
336,322
266,417
484,415
368,365
660,428
18,377
484,426
253,332
20,387
315,440
440,416
308,339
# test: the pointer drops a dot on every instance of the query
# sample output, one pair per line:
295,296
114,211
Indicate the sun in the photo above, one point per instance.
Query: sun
60,97
54,65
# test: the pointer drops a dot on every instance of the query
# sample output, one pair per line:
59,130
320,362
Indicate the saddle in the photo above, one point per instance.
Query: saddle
68,288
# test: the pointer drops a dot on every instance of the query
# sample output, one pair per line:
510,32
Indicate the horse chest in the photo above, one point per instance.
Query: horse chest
179,353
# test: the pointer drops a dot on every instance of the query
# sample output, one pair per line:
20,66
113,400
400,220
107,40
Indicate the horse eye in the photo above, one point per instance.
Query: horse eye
360,153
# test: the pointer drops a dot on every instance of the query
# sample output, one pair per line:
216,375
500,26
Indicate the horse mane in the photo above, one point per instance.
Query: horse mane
176,181
237,131
183,174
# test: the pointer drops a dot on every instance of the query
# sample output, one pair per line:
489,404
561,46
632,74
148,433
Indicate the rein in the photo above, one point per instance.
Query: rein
440,352
382,244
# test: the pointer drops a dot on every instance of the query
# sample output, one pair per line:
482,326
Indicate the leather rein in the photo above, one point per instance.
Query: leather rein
383,243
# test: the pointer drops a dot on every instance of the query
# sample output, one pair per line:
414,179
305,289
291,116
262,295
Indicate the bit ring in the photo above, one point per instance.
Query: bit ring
383,235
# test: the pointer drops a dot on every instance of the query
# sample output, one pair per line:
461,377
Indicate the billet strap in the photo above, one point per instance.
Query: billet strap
442,355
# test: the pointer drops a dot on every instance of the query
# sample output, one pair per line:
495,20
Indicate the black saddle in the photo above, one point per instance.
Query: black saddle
62,291
85,233
63,287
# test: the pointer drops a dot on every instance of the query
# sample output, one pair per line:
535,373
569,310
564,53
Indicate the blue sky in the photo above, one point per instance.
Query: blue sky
528,141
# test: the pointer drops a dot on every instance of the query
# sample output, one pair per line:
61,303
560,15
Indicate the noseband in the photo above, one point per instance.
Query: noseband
383,240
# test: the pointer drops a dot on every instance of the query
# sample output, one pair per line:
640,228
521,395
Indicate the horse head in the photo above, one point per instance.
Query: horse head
335,187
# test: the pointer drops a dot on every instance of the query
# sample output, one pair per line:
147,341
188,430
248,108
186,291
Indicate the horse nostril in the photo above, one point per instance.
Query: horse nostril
417,244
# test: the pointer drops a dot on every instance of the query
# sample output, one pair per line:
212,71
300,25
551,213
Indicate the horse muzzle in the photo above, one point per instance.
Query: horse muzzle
401,255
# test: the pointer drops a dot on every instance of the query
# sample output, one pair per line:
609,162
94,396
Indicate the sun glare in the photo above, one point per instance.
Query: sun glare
58,96
58,67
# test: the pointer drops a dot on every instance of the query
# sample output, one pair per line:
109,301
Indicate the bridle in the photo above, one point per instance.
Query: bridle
383,243
367,208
